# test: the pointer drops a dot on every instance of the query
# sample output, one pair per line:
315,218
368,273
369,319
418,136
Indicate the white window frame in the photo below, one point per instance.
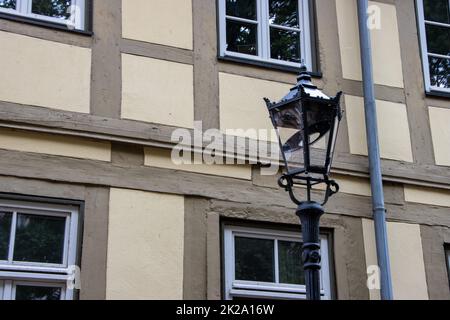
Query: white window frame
266,290
263,34
424,47
23,9
46,274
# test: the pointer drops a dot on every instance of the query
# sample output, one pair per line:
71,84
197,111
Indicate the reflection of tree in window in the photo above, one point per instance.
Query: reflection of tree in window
290,262
438,41
37,293
254,259
283,12
241,37
52,8
440,72
9,4
5,230
242,8
39,239
284,45
437,10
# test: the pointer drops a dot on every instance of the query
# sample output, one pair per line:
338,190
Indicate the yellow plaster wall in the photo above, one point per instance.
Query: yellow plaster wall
145,245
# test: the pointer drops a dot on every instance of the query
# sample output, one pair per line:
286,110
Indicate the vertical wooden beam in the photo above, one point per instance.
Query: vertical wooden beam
95,244
106,85
206,76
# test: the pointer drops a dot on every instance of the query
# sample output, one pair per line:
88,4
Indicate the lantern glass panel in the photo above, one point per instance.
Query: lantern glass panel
288,122
319,122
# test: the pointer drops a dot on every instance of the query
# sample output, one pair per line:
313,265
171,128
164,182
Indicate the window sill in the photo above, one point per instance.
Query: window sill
44,24
437,94
267,65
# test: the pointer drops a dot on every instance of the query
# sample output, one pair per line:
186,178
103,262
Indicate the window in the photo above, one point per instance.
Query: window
274,31
434,27
65,12
266,264
37,249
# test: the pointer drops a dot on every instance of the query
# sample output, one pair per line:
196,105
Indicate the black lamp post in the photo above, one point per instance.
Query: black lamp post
303,118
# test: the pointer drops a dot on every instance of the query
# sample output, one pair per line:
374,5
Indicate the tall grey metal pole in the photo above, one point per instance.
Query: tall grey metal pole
379,211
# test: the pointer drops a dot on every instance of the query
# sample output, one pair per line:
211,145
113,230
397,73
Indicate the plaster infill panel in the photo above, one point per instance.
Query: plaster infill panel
55,145
242,105
440,131
387,61
161,158
436,197
406,255
157,91
145,245
393,129
158,21
44,73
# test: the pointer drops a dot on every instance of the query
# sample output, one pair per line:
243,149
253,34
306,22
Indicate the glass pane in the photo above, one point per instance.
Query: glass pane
39,239
439,72
52,8
254,259
448,261
1,290
284,12
5,231
25,292
242,8
438,39
437,10
285,45
8,4
242,37
290,262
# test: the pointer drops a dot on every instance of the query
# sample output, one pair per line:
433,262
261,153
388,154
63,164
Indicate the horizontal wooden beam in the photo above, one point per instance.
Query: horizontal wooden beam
247,197
157,135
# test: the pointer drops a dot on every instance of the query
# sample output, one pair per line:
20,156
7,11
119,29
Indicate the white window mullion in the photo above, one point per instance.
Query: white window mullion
265,31
12,237
7,290
277,266
424,45
79,16
222,27
24,6
305,33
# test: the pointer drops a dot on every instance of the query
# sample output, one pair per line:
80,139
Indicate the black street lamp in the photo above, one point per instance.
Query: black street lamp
304,118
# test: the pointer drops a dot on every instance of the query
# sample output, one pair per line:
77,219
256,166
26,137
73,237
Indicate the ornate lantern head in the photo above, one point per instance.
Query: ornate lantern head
307,122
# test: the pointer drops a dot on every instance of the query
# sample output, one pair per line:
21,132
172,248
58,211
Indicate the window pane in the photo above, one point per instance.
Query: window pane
242,8
290,262
254,259
284,45
5,231
284,12
52,8
242,37
9,4
448,262
25,292
437,10
438,39
39,239
440,72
